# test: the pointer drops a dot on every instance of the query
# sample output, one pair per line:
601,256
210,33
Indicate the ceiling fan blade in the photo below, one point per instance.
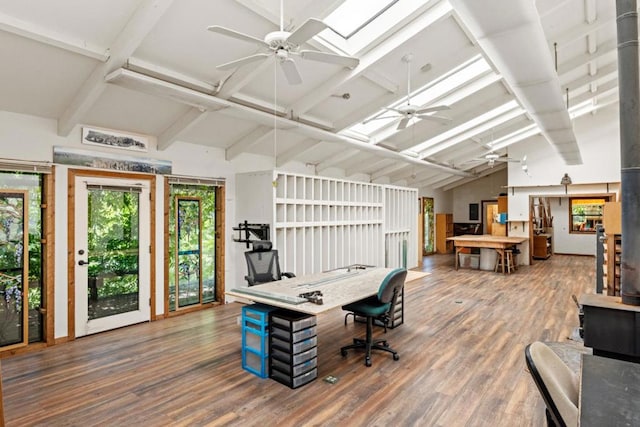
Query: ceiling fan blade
432,109
304,32
403,123
242,61
291,71
331,58
439,119
237,35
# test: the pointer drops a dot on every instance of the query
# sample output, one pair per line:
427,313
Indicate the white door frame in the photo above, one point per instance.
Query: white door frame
83,326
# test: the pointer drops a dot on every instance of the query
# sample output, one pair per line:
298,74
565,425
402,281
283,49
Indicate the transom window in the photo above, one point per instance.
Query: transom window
585,213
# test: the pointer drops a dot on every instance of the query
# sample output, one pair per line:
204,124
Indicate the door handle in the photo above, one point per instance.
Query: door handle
83,262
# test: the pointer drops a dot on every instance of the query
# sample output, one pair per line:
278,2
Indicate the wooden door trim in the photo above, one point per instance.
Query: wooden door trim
72,174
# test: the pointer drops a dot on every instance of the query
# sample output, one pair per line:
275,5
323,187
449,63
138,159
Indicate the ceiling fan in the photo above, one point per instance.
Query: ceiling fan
284,45
492,157
408,111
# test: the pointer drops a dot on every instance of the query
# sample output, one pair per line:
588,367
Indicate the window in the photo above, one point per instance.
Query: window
585,213
352,16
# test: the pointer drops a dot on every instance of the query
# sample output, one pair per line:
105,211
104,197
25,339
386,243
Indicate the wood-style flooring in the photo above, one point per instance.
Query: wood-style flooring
461,362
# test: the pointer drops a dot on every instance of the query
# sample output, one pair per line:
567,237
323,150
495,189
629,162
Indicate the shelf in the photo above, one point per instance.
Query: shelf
322,223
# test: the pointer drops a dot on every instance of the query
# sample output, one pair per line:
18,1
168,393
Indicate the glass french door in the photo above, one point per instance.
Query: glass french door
14,267
428,217
112,259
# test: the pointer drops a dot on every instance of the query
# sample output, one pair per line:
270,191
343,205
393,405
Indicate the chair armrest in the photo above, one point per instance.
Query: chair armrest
288,275
249,280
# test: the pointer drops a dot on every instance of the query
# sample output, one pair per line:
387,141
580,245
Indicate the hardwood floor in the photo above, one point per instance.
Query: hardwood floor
461,362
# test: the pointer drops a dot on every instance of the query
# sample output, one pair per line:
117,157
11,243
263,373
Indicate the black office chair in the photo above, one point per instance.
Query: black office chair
557,384
380,306
262,264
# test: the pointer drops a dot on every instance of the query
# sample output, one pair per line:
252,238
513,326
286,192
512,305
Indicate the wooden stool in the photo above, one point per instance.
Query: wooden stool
509,262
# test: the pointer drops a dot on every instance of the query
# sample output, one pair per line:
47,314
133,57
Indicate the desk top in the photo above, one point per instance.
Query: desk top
338,287
609,392
488,238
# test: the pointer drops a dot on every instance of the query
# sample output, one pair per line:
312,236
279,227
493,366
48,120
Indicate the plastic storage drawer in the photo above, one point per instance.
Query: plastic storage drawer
294,359
294,370
294,382
287,335
294,348
292,321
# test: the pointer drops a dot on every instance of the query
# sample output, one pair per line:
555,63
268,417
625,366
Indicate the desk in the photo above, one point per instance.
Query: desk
609,392
338,287
499,243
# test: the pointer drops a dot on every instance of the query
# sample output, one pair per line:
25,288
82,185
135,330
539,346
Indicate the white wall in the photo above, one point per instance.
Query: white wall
485,188
565,242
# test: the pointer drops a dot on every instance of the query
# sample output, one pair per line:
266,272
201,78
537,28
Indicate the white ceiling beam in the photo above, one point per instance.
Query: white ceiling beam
388,170
552,8
604,73
486,172
162,73
380,80
153,86
590,11
259,134
40,34
374,164
143,20
299,149
439,12
184,123
336,158
578,32
241,77
582,60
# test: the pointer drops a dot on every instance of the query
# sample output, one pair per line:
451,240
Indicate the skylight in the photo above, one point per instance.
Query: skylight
353,15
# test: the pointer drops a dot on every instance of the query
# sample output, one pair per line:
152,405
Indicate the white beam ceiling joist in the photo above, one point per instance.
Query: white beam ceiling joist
607,72
605,48
241,77
185,122
388,170
382,81
548,7
335,159
484,173
40,34
369,166
143,20
299,149
256,136
577,33
162,73
437,13
150,85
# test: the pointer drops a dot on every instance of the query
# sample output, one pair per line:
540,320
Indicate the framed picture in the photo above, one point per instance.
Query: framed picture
473,212
109,138
113,161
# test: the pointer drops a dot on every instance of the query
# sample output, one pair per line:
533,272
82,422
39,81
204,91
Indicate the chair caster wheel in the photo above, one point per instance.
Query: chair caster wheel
343,353
367,361
396,357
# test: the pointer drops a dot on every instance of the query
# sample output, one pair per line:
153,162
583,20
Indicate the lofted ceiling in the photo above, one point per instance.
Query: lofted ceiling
504,68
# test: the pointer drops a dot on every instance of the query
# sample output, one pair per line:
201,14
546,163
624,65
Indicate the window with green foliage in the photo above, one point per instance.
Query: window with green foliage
192,245
585,213
12,252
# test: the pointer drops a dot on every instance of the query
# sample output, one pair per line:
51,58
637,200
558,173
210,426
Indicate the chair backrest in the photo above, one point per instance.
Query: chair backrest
262,263
391,286
557,384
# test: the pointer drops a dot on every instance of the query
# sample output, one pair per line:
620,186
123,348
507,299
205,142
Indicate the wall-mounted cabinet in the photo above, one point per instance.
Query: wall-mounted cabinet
324,223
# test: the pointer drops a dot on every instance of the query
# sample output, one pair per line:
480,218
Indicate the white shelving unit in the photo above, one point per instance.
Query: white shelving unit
319,223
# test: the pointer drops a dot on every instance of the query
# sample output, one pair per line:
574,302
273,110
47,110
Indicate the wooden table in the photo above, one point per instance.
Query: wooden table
338,287
499,243
609,392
